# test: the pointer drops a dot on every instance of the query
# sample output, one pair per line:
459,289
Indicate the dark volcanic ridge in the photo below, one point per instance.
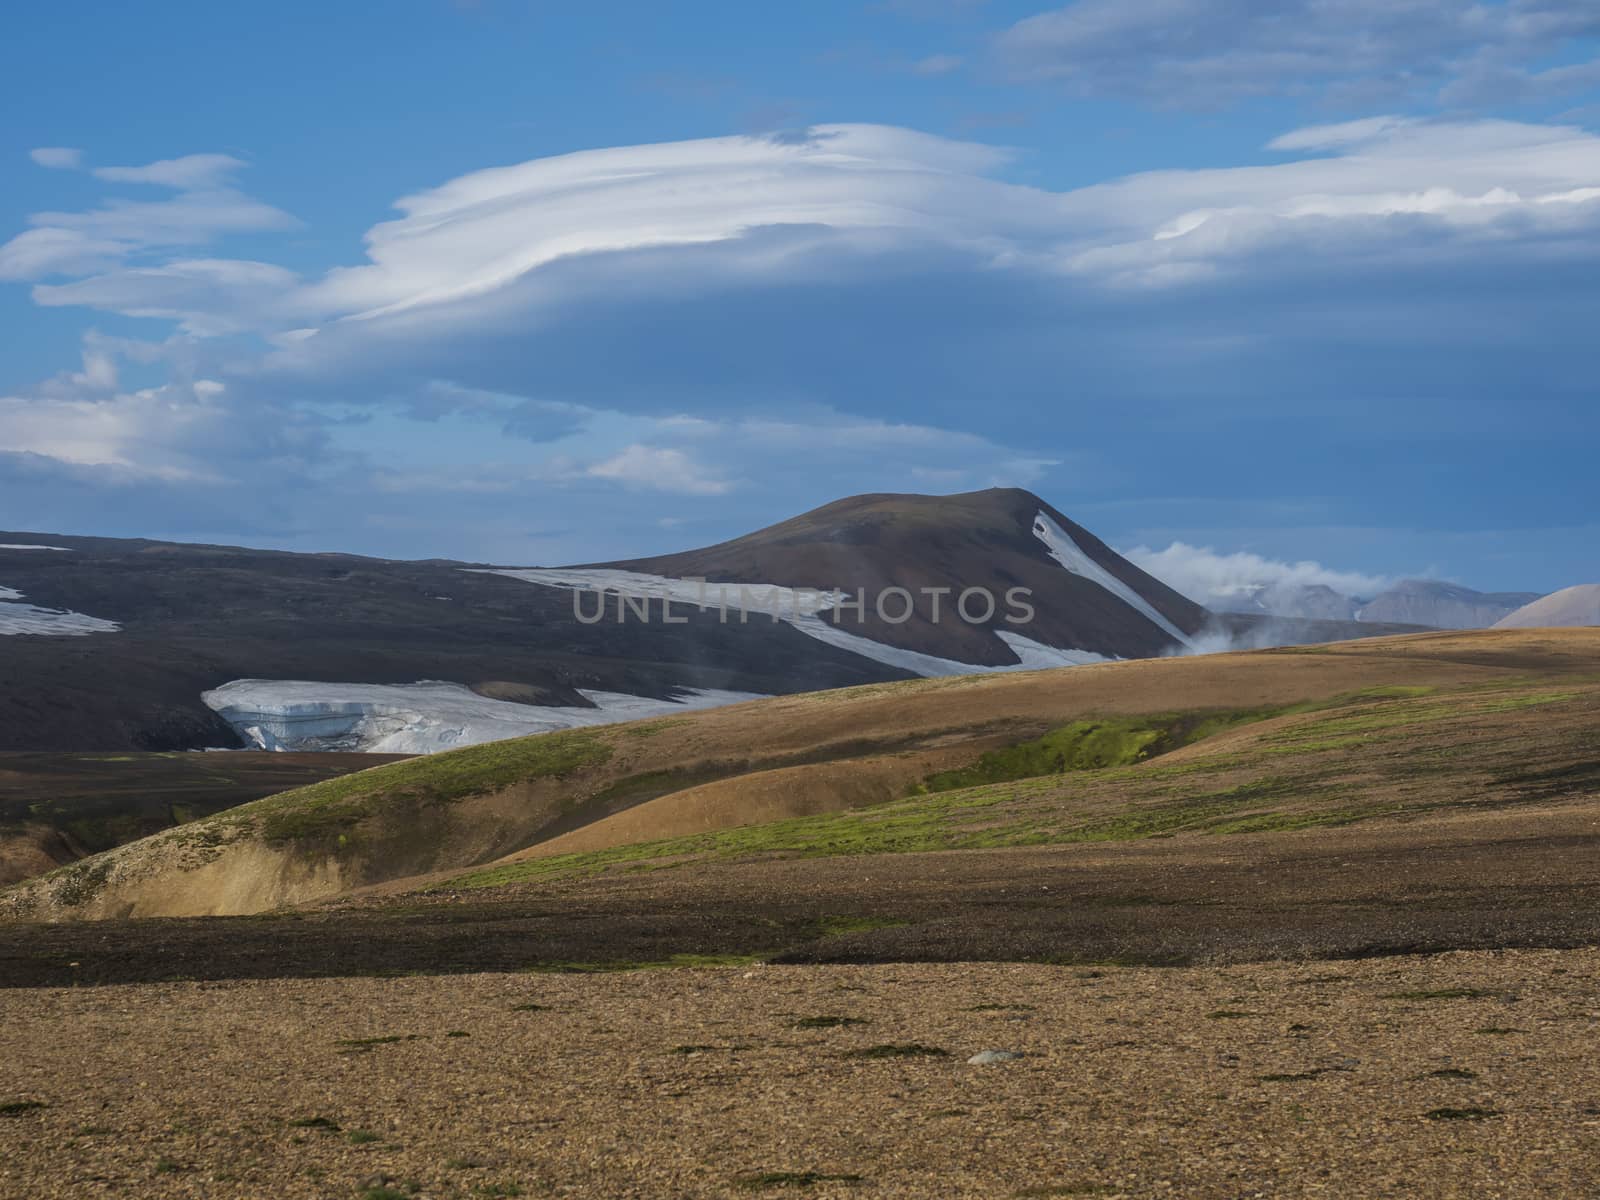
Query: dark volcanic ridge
190,619
993,539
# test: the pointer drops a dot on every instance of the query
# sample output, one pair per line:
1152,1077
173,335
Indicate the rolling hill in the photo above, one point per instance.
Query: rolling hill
142,649
56,807
1240,743
1573,606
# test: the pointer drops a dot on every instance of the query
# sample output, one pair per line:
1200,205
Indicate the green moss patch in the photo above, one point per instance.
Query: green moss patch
1093,745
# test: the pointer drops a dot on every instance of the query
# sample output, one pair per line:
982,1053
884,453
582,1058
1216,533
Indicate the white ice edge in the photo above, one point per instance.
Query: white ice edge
802,609
18,619
1071,556
418,718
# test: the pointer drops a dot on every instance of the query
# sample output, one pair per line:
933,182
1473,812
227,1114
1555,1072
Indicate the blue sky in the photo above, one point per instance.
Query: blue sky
530,283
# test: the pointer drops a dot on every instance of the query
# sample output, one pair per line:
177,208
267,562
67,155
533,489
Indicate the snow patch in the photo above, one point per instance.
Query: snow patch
417,718
803,611
1031,655
637,584
18,618
1071,556
1036,656
13,546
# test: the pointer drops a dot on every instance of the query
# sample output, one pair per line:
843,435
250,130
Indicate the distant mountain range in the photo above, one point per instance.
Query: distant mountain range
1410,602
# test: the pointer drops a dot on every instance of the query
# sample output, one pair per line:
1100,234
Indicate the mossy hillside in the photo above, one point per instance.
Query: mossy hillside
1102,743
328,813
1348,729
1245,790
336,805
983,818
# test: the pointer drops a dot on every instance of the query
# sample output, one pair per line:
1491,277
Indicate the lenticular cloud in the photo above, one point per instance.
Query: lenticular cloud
483,230
859,189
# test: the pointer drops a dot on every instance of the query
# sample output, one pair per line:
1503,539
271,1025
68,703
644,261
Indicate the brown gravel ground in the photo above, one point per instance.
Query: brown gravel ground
1461,1074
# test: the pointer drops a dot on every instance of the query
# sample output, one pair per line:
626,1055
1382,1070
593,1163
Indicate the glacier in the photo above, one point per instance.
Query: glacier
805,617
17,618
418,718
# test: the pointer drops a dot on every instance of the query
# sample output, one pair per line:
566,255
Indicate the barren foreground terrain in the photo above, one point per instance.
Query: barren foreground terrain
1462,1074
1335,935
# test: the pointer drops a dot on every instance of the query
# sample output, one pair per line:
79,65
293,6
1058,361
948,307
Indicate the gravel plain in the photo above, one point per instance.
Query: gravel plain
1467,1074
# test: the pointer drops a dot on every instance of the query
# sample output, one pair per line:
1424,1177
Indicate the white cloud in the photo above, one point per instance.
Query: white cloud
1512,181
1345,133
192,172
190,218
485,230
57,158
189,430
818,454
206,297
840,191
204,209
1217,579
659,468
146,433
37,253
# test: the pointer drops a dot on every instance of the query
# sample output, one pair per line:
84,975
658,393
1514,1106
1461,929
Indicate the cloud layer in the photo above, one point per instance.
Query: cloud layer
1221,581
1210,53
770,208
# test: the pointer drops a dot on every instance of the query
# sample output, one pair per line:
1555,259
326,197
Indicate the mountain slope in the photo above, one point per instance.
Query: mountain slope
1309,602
56,808
191,619
1571,606
1086,596
138,645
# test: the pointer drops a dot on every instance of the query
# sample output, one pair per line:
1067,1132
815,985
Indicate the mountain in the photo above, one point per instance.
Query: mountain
120,645
175,624
1311,602
1086,596
1569,607
1442,605
1424,603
